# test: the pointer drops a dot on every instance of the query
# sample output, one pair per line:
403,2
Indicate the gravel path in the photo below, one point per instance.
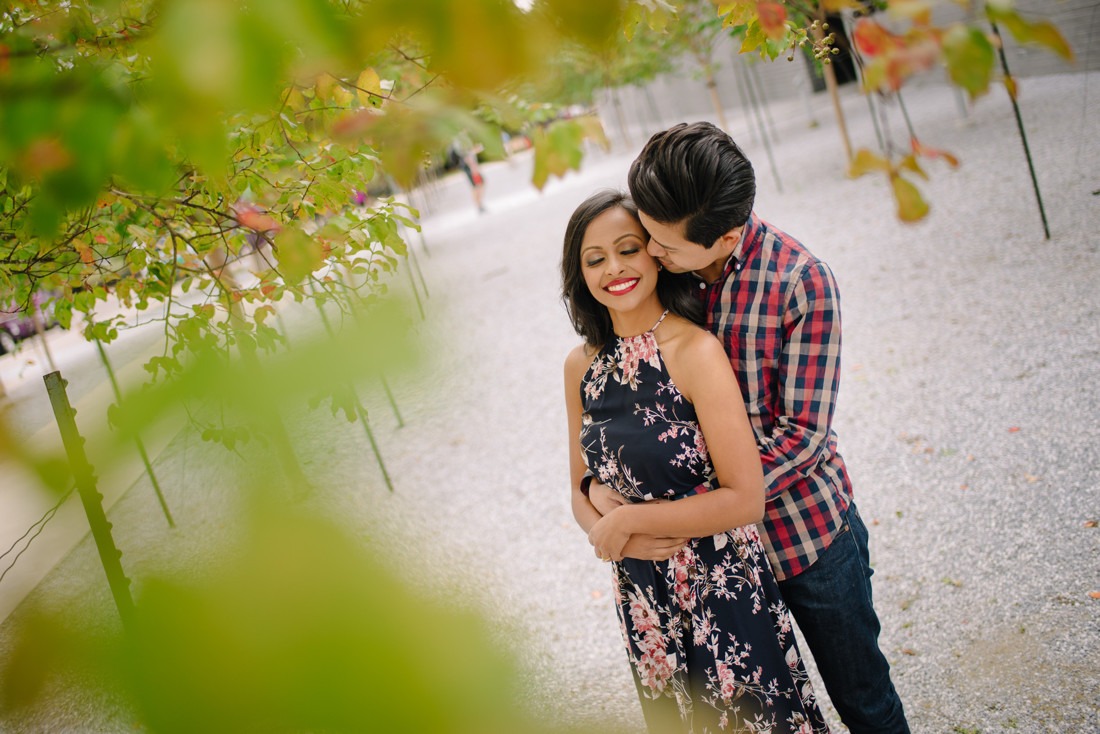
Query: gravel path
967,414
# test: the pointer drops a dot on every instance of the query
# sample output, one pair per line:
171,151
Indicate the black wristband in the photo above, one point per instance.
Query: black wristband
586,480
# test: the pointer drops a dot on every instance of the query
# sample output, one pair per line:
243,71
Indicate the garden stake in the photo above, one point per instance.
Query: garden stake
393,403
360,411
759,120
1020,127
92,500
137,439
754,75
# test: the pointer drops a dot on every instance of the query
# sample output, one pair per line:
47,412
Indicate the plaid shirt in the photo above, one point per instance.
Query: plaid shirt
777,311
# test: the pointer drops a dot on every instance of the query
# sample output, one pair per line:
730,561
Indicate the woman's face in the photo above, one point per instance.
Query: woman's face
619,272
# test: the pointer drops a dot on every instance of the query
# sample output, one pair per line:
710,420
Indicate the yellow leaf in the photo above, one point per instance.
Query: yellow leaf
341,96
835,6
865,162
909,163
1042,33
593,130
1010,85
324,85
911,205
369,88
918,11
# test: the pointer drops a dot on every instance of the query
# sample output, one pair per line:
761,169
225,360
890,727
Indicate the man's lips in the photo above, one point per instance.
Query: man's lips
621,286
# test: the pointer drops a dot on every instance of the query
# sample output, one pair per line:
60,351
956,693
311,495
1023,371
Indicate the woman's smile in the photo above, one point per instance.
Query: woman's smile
621,286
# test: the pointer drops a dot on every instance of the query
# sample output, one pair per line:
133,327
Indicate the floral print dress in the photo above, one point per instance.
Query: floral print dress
708,636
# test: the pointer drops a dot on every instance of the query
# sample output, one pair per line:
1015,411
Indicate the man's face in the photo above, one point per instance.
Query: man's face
668,244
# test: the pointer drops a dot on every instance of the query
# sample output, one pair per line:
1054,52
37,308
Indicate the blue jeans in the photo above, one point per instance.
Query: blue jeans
831,601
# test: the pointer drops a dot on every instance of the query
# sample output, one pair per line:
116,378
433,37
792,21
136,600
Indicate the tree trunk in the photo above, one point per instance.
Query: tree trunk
712,87
619,116
831,85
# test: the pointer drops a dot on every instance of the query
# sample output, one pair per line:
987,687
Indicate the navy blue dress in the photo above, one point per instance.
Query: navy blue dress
708,636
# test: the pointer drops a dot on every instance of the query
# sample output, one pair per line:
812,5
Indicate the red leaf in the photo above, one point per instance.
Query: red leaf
871,38
928,152
1014,429
773,18
252,218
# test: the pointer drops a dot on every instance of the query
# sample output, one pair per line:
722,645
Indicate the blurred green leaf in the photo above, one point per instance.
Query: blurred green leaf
969,56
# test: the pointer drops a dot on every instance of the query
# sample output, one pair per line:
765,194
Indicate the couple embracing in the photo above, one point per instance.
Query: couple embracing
717,493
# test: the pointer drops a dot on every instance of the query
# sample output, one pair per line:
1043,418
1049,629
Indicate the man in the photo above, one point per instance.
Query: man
776,309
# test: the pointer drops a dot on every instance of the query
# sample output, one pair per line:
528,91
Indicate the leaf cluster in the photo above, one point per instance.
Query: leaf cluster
196,163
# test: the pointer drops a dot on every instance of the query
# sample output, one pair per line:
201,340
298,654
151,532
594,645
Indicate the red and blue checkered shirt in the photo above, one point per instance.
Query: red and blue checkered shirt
777,311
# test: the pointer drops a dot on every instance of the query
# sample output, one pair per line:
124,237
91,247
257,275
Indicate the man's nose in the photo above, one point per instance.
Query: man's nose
655,249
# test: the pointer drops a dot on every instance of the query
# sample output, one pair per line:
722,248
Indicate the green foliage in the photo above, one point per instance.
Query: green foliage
298,629
197,160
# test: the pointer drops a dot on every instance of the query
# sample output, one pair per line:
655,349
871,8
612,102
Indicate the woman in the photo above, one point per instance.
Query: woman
655,412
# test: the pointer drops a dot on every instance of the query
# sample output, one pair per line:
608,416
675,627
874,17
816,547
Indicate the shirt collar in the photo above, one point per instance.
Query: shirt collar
750,240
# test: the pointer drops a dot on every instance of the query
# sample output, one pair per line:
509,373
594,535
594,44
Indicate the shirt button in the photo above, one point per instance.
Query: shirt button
703,286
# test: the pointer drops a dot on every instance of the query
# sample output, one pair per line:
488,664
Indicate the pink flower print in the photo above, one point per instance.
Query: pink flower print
727,682
682,589
785,621
643,616
632,351
655,669
701,630
701,444
594,387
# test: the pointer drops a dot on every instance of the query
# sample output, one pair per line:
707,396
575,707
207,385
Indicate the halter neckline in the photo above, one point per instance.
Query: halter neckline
648,331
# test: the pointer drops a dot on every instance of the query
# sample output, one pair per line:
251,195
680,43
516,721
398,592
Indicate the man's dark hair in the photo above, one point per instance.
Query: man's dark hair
590,317
694,173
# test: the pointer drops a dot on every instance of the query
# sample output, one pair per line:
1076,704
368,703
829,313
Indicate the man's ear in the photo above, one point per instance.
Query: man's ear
728,242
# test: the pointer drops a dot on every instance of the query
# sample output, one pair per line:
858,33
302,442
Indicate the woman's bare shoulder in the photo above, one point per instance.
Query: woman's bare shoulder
578,361
693,356
688,340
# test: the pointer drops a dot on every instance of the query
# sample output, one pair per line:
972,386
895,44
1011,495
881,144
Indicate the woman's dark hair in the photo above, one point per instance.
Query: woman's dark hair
694,174
591,318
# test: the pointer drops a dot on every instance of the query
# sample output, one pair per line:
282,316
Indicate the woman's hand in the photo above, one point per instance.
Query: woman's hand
639,546
603,497
610,534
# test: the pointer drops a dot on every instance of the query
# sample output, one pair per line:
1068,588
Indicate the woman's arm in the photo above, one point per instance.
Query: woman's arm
575,366
644,547
701,369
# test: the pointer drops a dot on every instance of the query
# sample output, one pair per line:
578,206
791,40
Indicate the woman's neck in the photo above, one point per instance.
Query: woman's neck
637,320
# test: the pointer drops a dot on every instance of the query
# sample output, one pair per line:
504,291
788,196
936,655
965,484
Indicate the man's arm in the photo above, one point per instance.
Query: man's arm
808,377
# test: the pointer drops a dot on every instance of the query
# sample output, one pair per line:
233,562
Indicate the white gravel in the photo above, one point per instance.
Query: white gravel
968,415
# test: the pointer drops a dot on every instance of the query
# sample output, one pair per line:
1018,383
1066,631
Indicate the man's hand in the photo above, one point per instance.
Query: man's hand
603,497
